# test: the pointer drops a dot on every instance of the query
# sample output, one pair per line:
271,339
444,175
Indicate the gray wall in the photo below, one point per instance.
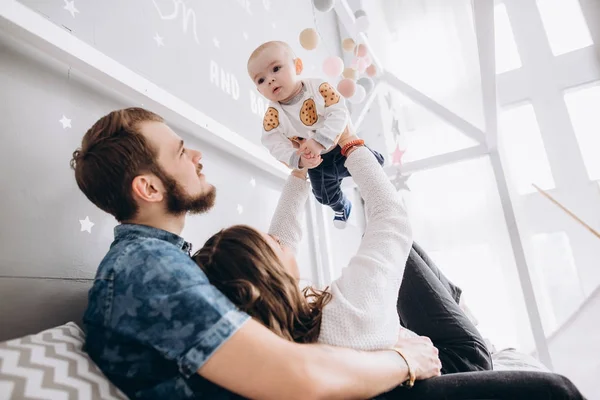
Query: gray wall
205,46
46,261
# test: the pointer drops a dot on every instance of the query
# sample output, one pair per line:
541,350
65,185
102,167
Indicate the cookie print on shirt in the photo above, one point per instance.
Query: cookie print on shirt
271,120
330,95
308,113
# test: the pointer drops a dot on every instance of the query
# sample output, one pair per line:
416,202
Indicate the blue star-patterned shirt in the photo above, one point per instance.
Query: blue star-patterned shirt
153,319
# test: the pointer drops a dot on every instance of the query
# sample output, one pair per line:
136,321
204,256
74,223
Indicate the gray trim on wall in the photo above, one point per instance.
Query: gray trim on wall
21,314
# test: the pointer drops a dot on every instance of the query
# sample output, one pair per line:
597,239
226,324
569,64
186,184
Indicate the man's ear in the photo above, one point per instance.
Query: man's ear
299,66
147,187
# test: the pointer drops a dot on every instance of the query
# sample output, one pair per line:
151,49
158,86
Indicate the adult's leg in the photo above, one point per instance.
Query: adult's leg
454,290
490,385
427,307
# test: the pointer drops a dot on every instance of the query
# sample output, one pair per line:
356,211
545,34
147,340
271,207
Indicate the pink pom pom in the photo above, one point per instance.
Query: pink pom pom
333,66
361,50
346,87
362,65
372,70
354,63
368,60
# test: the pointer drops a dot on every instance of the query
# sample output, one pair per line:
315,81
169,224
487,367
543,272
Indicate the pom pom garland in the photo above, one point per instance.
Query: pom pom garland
346,87
309,39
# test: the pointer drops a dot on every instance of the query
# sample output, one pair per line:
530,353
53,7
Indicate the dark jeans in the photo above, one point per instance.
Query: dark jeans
488,385
326,179
428,305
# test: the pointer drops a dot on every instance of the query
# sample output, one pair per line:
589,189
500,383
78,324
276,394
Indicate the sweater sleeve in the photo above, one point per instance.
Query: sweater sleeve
274,139
362,313
336,114
286,224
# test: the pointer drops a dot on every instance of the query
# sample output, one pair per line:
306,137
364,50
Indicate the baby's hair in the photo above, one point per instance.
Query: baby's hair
272,43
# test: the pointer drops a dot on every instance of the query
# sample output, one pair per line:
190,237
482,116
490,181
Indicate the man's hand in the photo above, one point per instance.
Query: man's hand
421,355
309,161
311,147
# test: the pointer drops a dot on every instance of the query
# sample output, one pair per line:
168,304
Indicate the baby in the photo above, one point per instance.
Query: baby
303,123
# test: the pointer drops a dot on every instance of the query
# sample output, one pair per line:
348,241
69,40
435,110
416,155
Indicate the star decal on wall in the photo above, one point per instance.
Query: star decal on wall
66,122
70,7
245,35
159,40
240,209
86,224
216,43
396,129
401,181
253,182
397,155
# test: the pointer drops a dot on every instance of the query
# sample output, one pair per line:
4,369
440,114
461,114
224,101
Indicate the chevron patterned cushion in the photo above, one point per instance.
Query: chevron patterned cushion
52,365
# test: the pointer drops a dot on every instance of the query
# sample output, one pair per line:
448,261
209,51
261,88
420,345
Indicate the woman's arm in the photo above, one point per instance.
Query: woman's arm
286,224
362,313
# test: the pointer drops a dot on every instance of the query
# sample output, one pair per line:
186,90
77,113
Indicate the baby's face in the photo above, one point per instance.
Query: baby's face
274,73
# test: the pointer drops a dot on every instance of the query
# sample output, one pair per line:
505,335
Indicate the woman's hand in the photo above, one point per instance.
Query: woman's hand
309,161
347,136
300,173
421,356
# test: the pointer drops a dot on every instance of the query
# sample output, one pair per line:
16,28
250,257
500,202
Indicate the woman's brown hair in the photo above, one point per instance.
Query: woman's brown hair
242,265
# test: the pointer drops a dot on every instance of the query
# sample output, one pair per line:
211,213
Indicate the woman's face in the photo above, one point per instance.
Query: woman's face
285,255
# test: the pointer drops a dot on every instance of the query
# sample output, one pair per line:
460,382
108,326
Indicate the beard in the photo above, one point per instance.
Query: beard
179,202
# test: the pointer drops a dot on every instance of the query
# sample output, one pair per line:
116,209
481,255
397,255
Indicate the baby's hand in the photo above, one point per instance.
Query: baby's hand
309,162
312,147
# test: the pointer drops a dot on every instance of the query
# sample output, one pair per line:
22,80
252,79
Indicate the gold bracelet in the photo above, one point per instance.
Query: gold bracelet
410,382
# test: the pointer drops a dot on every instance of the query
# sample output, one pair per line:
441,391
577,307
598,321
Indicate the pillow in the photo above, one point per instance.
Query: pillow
52,365
512,360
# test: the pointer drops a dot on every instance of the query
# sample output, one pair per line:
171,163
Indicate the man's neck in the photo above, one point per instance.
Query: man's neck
169,223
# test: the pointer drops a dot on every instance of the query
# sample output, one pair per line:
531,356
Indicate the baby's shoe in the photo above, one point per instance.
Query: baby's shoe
341,217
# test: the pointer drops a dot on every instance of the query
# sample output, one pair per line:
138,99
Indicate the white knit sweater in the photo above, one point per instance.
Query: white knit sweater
362,313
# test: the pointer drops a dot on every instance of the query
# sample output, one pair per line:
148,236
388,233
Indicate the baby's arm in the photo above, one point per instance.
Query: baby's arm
335,120
310,148
275,140
336,116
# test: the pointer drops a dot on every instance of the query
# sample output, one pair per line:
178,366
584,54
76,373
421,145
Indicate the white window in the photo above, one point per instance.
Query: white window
456,215
555,279
507,53
582,104
524,149
565,25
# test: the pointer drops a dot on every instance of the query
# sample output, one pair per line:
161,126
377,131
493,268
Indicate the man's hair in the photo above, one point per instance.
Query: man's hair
112,153
242,265
272,44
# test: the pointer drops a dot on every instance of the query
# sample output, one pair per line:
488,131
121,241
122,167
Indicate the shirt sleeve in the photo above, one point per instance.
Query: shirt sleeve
287,220
163,299
336,115
274,139
362,313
